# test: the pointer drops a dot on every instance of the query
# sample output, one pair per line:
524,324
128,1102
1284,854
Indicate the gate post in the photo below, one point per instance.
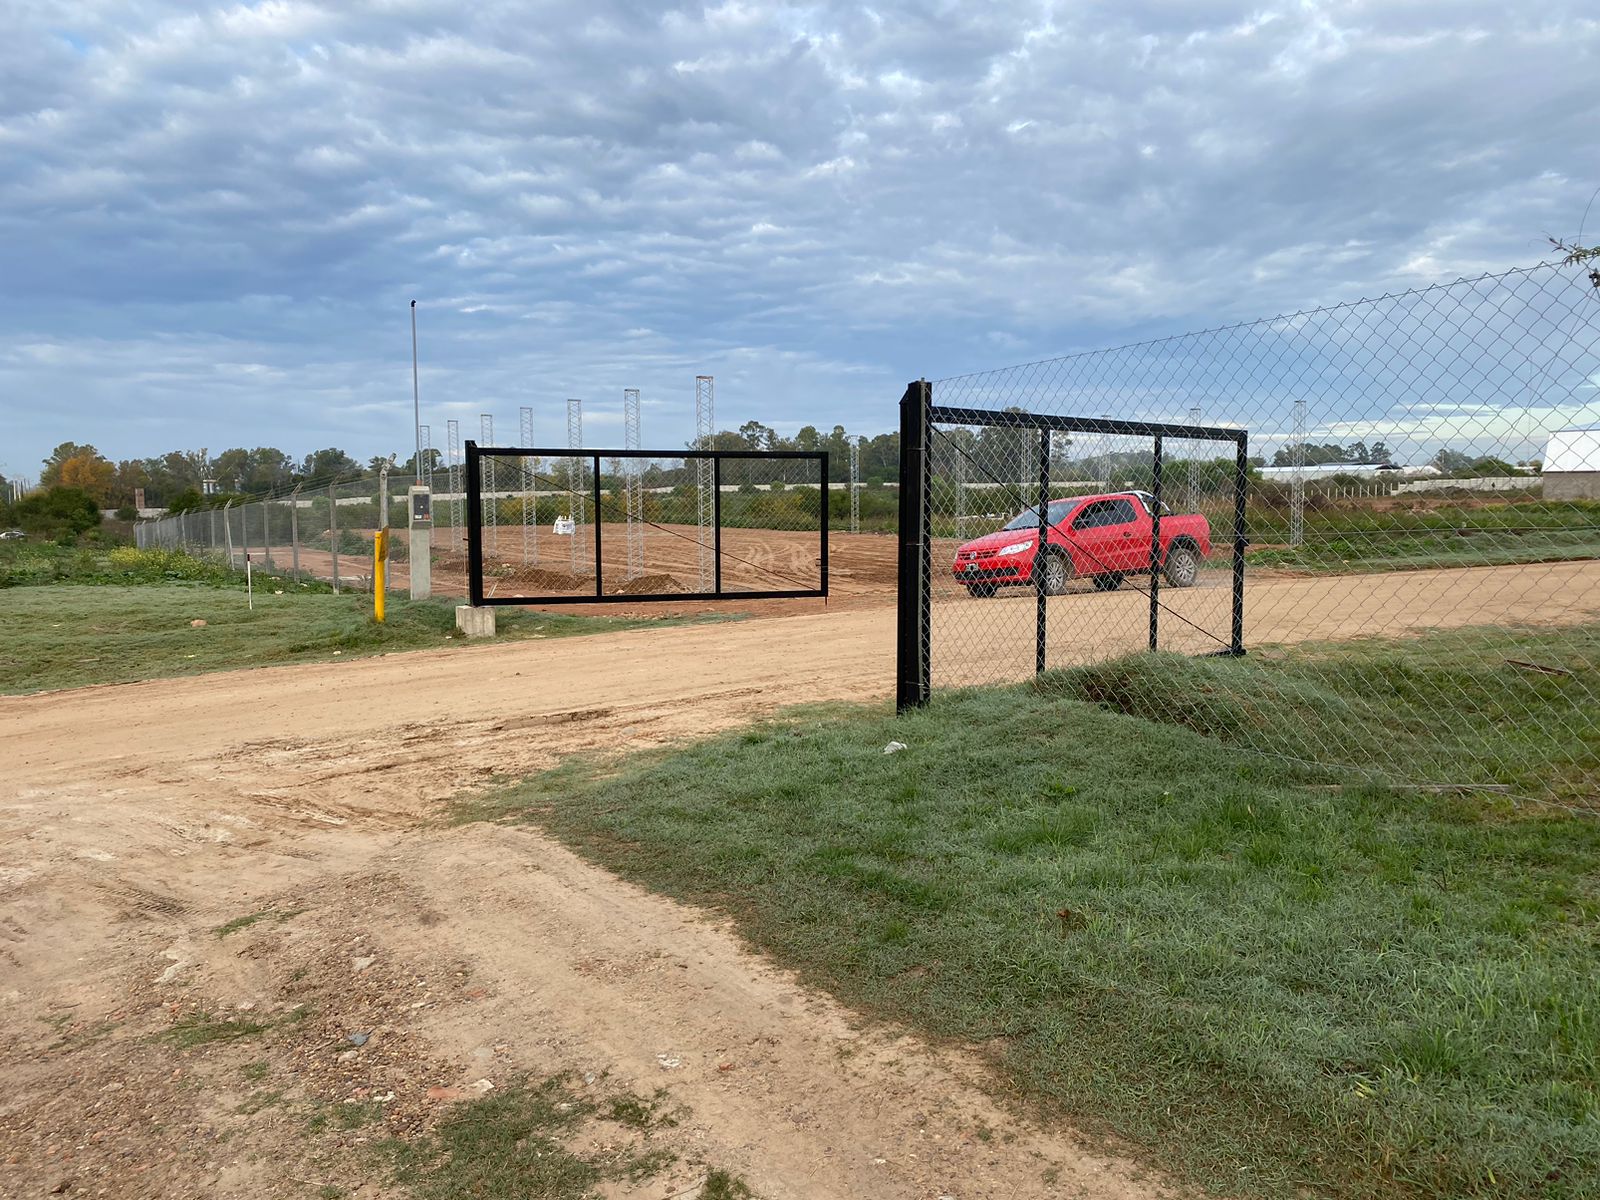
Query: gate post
1241,491
1156,560
475,526
913,671
1044,541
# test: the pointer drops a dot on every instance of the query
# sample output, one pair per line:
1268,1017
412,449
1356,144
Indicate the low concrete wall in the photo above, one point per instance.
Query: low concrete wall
1572,485
1490,483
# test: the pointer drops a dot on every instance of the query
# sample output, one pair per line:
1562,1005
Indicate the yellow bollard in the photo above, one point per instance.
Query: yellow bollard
380,555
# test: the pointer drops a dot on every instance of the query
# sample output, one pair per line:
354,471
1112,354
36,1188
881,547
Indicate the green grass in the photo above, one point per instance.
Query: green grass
36,564
1360,537
1495,707
74,635
509,1145
1274,988
720,1185
239,923
202,1029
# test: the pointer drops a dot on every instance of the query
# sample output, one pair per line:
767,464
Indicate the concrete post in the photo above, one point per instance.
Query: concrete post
294,531
333,534
419,507
475,622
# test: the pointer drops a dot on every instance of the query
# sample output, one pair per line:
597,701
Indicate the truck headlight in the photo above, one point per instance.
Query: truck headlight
1015,548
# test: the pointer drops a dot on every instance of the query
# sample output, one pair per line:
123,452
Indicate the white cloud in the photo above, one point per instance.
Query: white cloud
833,198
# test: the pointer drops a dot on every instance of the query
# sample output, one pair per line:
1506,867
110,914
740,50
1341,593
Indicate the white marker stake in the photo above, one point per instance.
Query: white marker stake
249,591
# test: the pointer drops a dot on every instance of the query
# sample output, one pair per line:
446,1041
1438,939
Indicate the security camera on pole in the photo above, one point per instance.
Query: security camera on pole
419,496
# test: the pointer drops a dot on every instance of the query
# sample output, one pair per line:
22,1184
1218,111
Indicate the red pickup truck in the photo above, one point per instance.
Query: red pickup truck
1101,538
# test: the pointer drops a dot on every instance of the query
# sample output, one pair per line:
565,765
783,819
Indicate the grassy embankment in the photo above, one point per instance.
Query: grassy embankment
1363,537
74,617
1268,986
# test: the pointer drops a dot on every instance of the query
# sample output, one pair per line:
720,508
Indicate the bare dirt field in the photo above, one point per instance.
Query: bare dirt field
138,821
861,568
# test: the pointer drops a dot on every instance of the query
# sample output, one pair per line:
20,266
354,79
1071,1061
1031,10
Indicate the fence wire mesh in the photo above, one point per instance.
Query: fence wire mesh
617,525
1413,581
320,532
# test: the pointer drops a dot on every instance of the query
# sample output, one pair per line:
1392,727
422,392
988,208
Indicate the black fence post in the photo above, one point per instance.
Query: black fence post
716,524
824,562
1040,591
474,525
1241,492
599,520
912,683
1156,557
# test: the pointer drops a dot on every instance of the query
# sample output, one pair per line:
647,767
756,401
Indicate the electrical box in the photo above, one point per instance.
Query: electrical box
421,507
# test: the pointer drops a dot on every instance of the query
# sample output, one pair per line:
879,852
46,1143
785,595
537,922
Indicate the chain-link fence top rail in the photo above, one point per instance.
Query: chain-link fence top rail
1409,572
551,526
320,531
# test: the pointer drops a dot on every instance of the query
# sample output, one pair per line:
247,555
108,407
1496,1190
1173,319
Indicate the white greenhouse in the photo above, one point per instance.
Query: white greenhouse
1572,464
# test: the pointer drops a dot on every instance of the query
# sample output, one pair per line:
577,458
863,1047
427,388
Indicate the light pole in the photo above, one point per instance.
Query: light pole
419,496
416,397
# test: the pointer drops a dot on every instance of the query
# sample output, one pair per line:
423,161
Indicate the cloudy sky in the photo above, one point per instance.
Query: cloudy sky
211,225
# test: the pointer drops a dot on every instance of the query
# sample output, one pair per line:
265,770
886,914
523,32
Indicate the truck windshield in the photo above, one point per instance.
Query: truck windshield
1028,518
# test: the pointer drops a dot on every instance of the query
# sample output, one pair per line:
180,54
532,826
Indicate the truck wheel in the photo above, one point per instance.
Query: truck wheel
1108,583
1182,568
980,591
1053,573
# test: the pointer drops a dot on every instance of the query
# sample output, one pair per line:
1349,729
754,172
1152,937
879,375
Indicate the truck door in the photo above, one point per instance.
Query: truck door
1127,535
1095,539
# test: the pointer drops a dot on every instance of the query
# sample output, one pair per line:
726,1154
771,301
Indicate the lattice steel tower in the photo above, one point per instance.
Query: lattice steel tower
705,437
530,503
452,451
855,485
633,482
575,505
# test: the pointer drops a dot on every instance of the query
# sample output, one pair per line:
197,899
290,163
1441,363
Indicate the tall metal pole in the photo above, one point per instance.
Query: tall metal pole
416,395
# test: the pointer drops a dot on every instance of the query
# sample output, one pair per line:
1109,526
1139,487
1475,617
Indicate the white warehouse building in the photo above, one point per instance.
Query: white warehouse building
1572,464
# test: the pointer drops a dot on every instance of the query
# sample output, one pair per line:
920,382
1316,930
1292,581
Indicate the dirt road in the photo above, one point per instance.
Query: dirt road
137,821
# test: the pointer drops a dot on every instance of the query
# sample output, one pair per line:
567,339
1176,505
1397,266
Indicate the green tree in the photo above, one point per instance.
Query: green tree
322,466
58,512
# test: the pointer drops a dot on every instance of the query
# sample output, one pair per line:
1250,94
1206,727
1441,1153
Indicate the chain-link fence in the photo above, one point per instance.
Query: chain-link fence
553,526
1332,529
322,531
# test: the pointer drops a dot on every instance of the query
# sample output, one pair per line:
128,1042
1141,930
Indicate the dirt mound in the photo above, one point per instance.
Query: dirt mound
537,578
648,585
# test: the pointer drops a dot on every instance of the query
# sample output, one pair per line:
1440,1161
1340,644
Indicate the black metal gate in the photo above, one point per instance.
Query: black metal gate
662,521
921,443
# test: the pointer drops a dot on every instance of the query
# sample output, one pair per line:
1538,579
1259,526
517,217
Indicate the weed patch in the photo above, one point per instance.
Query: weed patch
509,1145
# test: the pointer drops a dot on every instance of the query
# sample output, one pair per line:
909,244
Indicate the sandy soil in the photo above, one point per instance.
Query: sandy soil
861,569
136,820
